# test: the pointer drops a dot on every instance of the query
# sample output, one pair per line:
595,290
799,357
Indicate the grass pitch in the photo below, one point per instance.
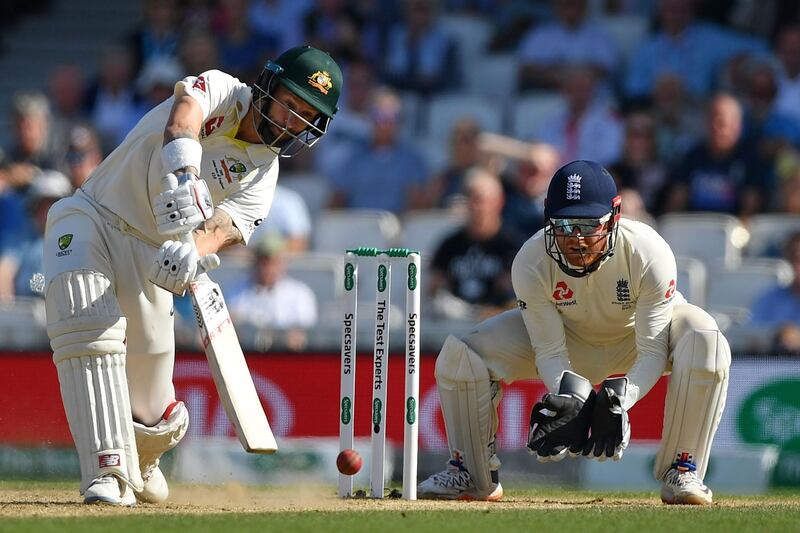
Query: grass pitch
43,506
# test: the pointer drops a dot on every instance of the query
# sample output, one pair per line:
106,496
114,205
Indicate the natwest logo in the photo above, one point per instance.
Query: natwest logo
670,289
562,292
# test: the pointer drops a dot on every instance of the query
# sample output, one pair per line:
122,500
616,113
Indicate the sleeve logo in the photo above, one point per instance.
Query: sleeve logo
670,289
200,84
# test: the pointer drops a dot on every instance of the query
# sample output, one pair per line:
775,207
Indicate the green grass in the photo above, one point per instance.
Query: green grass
550,510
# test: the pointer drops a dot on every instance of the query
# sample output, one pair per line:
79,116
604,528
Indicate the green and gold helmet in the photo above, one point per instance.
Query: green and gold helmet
309,74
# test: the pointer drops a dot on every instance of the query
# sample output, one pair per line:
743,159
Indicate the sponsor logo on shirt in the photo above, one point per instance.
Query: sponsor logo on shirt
670,290
200,84
623,294
522,305
211,125
228,169
563,295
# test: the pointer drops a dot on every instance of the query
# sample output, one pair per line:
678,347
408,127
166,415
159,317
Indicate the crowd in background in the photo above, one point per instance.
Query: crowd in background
701,113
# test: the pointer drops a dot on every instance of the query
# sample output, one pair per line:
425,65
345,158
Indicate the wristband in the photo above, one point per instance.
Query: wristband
180,153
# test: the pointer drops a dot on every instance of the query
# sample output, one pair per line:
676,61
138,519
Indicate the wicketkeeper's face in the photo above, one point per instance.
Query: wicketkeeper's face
581,241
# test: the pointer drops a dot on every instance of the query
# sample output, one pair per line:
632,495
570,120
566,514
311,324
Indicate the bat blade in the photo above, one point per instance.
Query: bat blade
229,368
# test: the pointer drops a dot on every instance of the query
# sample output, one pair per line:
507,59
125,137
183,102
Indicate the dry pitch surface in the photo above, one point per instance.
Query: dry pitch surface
21,500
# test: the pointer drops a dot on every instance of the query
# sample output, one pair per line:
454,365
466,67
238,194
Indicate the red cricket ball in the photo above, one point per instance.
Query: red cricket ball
348,462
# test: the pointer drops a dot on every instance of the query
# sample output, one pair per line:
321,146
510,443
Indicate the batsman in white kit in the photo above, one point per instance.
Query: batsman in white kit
596,298
117,250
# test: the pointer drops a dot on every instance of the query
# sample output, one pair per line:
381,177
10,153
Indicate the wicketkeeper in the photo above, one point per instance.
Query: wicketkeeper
597,298
113,256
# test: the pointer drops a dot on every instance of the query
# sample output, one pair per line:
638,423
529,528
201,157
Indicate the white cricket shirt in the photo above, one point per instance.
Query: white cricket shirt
632,293
241,176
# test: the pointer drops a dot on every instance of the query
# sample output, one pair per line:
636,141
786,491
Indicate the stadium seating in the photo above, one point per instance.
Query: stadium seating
337,229
769,231
529,112
423,230
471,34
312,187
692,279
715,239
738,286
446,109
493,76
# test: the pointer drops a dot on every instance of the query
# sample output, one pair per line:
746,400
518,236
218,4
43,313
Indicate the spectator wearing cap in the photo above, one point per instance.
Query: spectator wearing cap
276,302
83,154
21,262
387,172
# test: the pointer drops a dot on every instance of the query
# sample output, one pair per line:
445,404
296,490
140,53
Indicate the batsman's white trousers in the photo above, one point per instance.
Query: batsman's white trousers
101,243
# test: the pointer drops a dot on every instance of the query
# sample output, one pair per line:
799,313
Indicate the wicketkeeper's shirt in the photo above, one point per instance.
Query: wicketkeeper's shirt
632,293
241,176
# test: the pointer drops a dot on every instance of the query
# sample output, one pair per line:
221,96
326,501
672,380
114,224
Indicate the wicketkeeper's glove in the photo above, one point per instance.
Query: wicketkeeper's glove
611,429
560,422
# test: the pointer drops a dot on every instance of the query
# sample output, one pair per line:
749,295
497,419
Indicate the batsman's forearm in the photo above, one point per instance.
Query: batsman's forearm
185,121
216,233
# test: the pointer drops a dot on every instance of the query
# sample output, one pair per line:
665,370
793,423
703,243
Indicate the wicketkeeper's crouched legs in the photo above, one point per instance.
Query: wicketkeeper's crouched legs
87,334
697,390
469,401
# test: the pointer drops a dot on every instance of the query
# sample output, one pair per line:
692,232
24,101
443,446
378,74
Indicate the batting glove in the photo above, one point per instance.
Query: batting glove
177,264
560,422
180,210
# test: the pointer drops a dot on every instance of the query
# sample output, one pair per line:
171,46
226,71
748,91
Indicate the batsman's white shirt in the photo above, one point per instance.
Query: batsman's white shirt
108,226
616,320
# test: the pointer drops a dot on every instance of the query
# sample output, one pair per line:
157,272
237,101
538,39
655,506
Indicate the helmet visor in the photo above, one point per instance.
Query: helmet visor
582,226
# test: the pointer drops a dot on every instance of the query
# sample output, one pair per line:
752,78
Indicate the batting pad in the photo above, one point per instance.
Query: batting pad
465,394
695,400
87,332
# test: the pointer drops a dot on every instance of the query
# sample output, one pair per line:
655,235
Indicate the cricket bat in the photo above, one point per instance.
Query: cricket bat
226,359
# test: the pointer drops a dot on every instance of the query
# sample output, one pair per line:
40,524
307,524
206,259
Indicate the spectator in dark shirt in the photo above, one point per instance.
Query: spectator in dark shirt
471,269
721,173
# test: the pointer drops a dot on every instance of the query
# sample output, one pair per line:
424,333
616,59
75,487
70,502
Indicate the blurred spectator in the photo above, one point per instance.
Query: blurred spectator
678,122
158,35
288,218
633,206
780,305
471,269
353,126
448,185
789,193
31,144
570,39
83,154
112,101
276,301
335,26
199,52
420,55
19,262
786,340
587,128
788,51
526,189
155,84
640,168
279,20
386,173
694,51
243,51
67,92
721,173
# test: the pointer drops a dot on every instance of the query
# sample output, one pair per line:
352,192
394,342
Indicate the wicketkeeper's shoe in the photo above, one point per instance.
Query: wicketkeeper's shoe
455,483
109,490
681,485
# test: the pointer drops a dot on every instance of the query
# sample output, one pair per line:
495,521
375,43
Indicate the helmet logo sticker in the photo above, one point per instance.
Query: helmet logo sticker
574,187
321,80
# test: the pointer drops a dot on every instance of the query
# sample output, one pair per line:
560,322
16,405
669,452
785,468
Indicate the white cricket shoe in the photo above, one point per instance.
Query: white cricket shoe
683,487
454,483
109,490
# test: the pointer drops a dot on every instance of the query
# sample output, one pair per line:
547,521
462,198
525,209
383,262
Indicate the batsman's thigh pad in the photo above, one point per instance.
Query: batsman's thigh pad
466,396
87,334
696,394
153,441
